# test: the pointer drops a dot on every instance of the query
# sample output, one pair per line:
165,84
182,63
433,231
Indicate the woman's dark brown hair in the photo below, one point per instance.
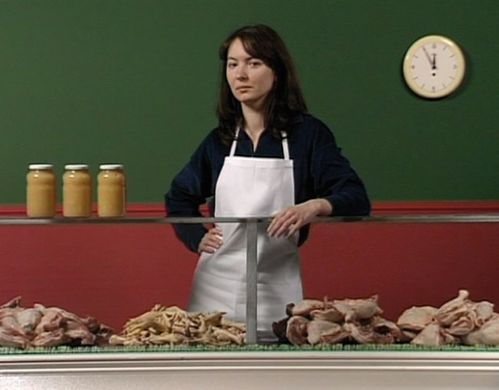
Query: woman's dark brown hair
285,99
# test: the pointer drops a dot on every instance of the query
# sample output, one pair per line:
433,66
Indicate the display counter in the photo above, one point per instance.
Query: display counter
389,368
252,223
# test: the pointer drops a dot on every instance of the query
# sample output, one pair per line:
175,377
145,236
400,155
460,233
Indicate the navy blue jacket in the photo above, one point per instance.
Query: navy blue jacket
320,171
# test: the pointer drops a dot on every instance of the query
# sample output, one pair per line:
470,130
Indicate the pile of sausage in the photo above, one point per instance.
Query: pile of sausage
42,326
173,326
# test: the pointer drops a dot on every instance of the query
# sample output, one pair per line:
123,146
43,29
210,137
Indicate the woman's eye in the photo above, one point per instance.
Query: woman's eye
231,65
255,64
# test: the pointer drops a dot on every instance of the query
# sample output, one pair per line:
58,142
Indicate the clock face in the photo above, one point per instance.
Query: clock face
434,66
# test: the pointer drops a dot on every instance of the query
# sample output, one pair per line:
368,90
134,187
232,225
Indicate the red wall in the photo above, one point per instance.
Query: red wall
115,272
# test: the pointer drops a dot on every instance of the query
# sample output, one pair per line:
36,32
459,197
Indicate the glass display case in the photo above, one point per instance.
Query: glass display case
258,364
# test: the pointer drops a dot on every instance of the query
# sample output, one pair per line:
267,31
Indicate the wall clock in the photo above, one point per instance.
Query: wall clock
434,66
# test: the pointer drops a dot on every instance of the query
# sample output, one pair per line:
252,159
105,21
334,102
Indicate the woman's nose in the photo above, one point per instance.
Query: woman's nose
241,72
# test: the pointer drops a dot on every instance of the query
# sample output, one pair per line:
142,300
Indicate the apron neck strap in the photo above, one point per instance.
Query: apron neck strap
234,143
285,147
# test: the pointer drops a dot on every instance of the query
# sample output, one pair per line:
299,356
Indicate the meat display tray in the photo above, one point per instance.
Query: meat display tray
250,369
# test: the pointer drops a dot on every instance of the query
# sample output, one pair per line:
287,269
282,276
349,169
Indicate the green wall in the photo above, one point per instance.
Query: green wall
135,81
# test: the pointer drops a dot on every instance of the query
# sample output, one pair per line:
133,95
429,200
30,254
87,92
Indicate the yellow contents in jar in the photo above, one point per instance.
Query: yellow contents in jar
111,191
77,191
40,191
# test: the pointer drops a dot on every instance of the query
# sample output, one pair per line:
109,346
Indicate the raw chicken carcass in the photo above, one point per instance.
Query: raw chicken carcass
335,336
452,310
430,335
433,335
8,321
376,331
385,332
362,334
10,338
304,307
488,334
331,314
317,328
358,309
296,330
465,323
28,319
51,339
416,318
484,311
15,302
47,327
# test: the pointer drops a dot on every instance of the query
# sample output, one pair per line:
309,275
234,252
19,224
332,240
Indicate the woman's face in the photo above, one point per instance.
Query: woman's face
249,78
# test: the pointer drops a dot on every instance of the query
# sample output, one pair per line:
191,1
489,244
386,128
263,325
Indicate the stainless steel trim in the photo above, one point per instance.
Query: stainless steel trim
469,218
266,361
251,282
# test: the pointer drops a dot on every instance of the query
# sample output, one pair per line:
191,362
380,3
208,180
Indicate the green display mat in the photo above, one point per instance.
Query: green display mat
249,348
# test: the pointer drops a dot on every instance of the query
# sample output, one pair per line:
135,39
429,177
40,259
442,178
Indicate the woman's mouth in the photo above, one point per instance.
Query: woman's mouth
243,88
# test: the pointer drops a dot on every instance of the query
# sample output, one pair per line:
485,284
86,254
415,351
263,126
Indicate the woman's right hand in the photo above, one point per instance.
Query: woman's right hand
211,241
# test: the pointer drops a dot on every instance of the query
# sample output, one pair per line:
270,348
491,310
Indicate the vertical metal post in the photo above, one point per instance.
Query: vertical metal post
251,282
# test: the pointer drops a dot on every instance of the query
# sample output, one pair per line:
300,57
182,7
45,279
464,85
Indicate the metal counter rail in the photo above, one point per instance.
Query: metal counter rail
441,218
251,239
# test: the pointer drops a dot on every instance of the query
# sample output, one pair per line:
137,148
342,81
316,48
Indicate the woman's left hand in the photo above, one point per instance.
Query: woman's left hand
288,221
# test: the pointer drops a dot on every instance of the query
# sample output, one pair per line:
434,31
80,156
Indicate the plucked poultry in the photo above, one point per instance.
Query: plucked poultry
313,322
458,321
42,326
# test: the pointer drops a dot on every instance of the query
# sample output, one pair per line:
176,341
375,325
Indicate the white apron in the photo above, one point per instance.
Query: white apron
250,187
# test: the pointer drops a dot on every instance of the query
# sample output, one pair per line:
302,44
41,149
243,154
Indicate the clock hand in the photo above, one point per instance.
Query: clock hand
434,62
428,56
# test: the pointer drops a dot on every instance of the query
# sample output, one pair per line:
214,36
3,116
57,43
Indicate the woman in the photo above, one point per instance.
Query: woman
266,157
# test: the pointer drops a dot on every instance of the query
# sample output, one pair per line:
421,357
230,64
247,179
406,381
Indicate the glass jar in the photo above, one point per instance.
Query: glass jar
77,191
111,191
40,191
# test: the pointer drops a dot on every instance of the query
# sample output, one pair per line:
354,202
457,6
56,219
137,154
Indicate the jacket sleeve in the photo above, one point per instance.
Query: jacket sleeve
189,189
335,179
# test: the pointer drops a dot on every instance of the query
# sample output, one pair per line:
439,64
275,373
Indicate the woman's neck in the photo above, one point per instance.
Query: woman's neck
254,124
